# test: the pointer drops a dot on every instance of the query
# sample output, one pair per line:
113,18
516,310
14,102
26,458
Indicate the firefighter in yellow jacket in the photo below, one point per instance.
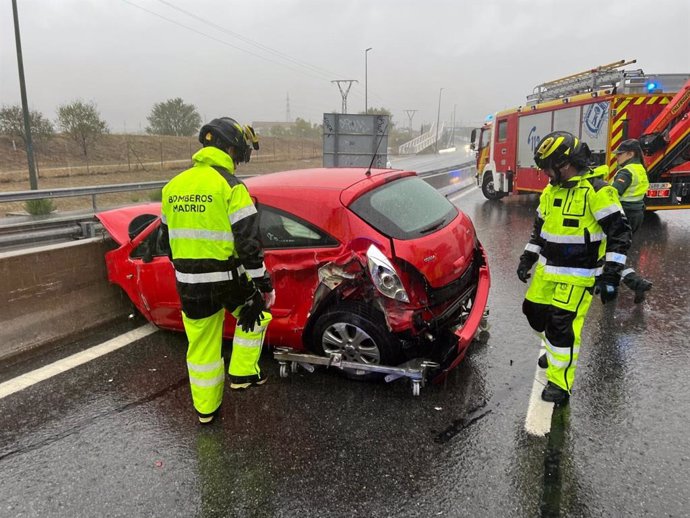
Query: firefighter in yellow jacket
631,181
211,225
579,242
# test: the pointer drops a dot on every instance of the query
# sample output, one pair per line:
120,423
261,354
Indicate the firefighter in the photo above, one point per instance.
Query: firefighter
631,183
579,242
210,223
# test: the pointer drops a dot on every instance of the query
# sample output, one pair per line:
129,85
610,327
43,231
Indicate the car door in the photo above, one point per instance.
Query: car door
155,281
294,251
139,266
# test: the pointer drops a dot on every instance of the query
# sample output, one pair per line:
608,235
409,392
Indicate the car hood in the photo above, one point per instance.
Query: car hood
117,221
442,256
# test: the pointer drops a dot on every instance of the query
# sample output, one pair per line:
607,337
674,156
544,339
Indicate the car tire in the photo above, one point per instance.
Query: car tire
488,189
360,334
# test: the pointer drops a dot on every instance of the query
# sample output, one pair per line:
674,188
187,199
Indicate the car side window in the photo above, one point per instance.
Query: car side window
151,246
502,130
279,229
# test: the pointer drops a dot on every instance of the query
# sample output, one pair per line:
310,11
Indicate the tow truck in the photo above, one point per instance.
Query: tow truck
602,106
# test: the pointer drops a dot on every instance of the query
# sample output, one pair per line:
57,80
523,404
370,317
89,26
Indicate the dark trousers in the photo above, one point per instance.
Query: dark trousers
635,218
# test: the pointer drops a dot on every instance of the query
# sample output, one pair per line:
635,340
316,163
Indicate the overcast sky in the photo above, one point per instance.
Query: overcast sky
242,59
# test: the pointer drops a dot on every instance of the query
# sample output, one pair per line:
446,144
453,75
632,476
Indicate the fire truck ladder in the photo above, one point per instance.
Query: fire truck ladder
604,76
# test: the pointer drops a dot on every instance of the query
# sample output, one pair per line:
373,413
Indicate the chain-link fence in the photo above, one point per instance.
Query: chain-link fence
62,157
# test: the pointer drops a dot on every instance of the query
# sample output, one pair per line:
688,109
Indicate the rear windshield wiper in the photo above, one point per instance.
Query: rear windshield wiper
433,226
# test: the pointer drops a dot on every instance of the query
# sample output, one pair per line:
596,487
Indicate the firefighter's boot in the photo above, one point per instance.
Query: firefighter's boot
638,284
555,394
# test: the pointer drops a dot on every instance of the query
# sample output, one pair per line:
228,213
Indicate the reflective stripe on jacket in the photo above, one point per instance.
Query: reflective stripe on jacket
579,230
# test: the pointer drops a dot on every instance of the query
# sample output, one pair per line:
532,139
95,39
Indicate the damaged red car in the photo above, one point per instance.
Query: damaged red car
375,271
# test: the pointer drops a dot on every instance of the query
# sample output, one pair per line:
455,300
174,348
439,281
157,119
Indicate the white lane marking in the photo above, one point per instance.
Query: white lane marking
539,412
33,377
461,194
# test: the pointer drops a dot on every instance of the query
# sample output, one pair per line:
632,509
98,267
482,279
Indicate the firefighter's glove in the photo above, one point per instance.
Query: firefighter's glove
606,286
527,260
638,284
250,314
263,284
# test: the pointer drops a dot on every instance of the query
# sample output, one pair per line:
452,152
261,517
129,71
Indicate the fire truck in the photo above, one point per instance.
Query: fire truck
602,107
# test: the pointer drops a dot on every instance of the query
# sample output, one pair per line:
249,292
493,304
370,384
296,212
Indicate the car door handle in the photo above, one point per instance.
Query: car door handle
129,276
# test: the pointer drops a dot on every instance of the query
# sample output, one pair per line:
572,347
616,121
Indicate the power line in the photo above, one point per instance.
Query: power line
218,39
261,46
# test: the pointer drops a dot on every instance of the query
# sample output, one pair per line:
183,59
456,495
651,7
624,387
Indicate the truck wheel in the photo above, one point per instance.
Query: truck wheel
488,189
359,333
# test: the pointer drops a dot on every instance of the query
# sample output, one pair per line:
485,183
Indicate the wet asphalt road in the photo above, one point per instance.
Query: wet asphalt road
118,437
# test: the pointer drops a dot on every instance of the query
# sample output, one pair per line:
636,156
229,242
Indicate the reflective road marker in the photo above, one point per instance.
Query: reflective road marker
539,412
44,373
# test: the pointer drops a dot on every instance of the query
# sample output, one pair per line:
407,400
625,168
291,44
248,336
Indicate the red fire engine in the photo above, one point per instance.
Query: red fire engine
602,107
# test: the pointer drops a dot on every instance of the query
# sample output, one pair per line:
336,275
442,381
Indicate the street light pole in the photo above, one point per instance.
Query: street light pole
438,116
366,73
33,180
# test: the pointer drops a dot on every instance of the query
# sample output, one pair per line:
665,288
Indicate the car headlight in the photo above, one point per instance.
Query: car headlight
384,275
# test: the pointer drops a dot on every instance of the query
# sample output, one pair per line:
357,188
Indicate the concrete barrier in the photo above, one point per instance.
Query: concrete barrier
54,293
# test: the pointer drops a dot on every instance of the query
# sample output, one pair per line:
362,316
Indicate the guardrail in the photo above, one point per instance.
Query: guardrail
20,231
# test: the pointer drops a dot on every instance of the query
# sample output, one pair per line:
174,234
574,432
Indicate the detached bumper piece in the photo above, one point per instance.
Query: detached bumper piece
415,370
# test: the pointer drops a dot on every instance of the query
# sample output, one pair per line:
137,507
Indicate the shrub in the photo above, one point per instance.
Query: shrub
39,207
156,195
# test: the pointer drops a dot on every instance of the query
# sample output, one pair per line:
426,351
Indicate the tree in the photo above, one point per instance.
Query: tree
82,123
381,111
12,125
173,117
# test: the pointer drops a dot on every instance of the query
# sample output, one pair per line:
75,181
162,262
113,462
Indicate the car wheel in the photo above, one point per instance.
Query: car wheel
359,333
488,189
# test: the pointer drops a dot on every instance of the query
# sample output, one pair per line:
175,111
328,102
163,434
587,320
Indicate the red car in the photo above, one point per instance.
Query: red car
370,268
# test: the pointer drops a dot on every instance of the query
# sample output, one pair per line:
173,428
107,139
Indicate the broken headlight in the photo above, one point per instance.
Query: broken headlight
384,276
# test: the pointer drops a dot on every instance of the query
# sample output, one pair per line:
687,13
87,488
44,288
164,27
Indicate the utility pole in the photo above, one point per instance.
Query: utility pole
344,92
366,73
33,177
410,114
438,116
452,130
287,108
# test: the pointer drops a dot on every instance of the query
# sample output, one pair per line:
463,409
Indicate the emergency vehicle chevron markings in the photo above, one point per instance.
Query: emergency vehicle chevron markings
44,373
539,412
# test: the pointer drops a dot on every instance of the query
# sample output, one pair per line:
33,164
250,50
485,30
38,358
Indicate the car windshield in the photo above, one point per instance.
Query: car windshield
405,209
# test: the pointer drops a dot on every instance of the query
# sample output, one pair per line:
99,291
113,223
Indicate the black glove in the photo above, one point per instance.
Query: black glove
263,284
638,284
527,260
250,314
606,286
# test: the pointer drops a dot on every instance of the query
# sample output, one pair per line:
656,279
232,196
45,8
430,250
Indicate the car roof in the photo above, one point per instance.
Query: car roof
319,178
